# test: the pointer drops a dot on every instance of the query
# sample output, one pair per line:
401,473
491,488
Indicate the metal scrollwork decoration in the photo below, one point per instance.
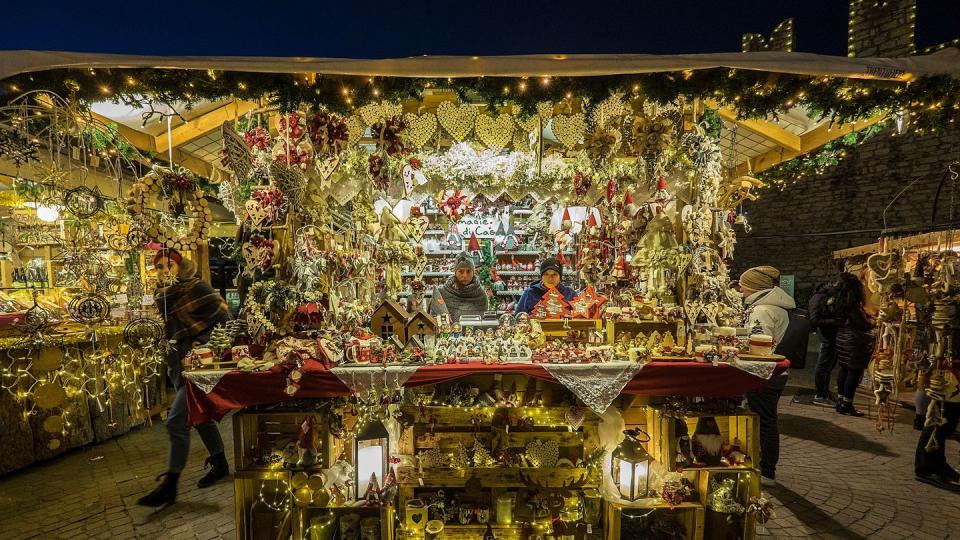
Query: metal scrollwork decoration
35,320
89,309
142,333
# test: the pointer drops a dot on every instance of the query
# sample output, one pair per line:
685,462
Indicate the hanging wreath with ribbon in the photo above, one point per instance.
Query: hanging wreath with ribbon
185,200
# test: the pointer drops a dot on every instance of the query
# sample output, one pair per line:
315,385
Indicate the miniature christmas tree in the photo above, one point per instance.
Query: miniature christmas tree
482,457
459,460
220,341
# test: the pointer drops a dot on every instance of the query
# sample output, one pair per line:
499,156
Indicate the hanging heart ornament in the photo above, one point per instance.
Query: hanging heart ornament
373,112
417,226
495,133
420,128
568,129
457,120
325,169
574,417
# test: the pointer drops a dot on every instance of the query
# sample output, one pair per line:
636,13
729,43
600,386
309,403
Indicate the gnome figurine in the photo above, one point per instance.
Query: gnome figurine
684,451
707,442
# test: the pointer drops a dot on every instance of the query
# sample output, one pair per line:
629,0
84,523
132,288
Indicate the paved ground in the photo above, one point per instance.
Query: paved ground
839,479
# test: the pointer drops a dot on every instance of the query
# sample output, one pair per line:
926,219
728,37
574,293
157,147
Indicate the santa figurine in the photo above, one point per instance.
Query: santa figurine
707,441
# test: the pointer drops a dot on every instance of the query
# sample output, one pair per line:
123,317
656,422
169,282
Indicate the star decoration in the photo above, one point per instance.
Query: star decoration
52,175
587,304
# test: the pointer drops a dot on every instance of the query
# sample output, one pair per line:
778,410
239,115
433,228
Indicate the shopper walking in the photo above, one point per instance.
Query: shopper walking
822,320
766,305
190,309
855,343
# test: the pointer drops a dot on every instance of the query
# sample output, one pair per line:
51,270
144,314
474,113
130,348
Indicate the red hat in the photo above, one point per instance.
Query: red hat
171,254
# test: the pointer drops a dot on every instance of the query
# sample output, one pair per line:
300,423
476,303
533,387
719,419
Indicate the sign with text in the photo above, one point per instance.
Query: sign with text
484,225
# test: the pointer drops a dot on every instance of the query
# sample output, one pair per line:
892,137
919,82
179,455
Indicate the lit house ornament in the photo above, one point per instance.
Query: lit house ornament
630,466
372,448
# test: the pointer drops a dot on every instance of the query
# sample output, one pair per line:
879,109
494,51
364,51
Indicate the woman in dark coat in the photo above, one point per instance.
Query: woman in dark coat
854,341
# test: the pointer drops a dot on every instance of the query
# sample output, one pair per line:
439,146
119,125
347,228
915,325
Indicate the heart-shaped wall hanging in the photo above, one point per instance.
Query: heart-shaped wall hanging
373,112
420,267
420,128
574,417
607,111
545,110
457,120
543,453
568,129
495,133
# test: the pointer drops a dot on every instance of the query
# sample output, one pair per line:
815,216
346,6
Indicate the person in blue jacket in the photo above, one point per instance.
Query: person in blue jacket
551,272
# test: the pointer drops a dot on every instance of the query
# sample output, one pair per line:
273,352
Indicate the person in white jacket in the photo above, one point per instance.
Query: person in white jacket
766,305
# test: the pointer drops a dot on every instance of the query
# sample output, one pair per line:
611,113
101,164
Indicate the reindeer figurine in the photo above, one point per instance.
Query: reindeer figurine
553,499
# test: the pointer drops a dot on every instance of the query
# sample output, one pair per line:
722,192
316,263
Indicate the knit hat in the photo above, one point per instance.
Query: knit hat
759,278
171,254
464,260
551,264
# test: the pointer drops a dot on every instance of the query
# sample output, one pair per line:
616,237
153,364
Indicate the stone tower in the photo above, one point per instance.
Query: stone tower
881,28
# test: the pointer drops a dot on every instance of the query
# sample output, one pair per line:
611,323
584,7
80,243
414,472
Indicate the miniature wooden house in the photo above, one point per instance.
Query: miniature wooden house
388,320
421,325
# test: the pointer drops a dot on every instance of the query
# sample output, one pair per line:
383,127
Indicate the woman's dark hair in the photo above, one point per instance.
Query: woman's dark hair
850,296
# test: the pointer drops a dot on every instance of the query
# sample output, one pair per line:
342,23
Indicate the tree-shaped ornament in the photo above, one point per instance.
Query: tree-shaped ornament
551,306
586,305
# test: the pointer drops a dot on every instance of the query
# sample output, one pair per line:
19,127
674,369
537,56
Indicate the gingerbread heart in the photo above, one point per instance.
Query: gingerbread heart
543,453
355,129
457,120
568,129
325,169
494,133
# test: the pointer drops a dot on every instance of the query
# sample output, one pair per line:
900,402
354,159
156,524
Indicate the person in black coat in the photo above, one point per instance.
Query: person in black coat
854,341
821,309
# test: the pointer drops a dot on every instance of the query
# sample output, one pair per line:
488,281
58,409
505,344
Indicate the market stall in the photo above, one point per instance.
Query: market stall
477,298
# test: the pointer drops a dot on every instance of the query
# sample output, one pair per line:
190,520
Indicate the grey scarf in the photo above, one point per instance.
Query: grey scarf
469,299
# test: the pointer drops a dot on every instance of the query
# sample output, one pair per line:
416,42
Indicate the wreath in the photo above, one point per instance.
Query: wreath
185,199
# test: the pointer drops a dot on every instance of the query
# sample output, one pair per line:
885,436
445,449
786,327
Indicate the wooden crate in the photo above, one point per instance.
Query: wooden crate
259,433
252,517
743,426
302,518
750,488
689,515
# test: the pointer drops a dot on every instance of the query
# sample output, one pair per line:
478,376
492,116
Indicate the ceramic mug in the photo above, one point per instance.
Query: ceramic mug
483,514
466,514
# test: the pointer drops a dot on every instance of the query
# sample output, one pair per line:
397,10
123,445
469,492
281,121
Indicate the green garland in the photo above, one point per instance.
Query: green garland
932,102
817,162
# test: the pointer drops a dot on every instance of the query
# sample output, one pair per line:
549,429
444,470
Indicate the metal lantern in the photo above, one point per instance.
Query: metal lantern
630,466
372,455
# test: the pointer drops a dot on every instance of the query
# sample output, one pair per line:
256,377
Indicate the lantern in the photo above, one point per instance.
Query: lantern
630,466
372,452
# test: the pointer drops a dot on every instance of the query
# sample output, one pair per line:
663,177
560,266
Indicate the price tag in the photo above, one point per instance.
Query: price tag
148,299
120,298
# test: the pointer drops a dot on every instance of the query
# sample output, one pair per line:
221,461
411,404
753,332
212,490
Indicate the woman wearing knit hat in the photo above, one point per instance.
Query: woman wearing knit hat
551,272
461,294
190,309
766,306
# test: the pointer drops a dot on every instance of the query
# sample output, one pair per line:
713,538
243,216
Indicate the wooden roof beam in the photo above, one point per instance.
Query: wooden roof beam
203,124
809,142
767,130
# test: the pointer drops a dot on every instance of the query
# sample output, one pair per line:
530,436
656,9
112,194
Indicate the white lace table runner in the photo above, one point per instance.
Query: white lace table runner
757,368
362,378
597,385
206,379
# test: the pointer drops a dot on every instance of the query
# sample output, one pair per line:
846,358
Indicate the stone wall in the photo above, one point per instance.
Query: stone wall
798,229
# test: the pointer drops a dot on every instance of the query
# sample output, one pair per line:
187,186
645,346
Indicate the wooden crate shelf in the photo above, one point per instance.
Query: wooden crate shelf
501,477
743,426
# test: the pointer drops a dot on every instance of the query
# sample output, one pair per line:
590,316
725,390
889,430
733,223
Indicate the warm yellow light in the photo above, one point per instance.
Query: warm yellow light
523,86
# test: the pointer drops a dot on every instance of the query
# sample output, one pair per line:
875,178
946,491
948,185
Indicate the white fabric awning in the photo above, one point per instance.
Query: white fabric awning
946,62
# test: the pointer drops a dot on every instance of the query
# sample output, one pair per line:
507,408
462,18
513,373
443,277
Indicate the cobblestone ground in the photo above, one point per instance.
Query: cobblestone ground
838,477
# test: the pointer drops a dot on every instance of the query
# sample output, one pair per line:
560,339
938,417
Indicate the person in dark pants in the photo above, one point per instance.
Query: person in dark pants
855,344
766,305
190,309
823,321
930,464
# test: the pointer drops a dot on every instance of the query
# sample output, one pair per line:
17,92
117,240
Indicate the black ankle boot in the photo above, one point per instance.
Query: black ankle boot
846,409
219,469
164,494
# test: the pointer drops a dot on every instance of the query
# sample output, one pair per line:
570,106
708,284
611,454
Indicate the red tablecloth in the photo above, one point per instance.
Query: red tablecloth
238,390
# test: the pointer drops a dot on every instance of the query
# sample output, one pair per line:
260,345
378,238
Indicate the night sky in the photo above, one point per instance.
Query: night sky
376,29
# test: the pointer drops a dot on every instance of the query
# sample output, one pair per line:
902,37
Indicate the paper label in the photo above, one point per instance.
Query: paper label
148,299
